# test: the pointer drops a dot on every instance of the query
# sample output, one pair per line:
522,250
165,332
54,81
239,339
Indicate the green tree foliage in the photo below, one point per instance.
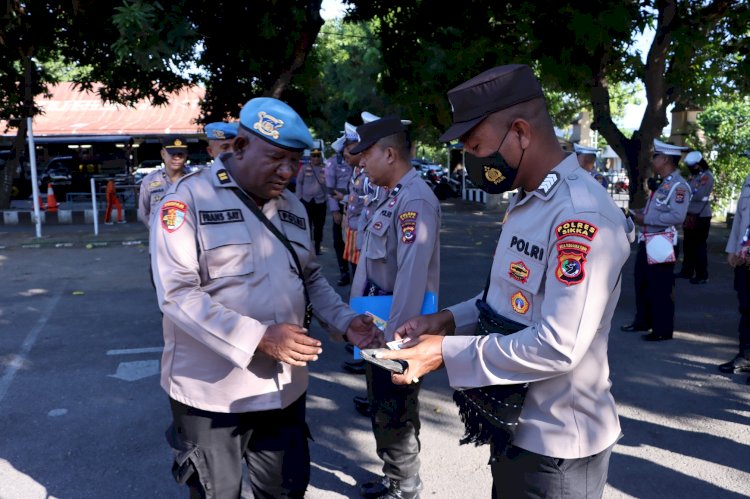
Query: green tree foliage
583,49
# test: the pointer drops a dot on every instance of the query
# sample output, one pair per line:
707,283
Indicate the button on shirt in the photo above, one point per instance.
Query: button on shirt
222,278
401,249
556,269
741,220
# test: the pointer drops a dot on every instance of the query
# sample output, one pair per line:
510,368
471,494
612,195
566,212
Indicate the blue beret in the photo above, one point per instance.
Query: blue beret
275,122
221,130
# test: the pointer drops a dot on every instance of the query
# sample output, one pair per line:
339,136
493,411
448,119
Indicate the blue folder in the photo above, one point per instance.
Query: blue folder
380,306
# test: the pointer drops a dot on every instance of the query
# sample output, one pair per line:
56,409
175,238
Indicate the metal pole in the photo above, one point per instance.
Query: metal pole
34,185
93,206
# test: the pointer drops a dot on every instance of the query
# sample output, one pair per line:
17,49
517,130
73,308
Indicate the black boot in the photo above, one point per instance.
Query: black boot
344,280
388,488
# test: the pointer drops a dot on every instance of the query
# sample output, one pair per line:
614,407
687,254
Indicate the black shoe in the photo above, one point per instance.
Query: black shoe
344,279
655,337
362,405
680,275
392,489
633,327
695,280
738,364
354,366
349,348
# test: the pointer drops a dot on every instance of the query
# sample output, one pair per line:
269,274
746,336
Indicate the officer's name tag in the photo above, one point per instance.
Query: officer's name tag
220,217
289,217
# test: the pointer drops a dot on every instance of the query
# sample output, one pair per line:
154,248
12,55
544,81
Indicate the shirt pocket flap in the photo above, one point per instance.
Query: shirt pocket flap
522,271
375,242
227,252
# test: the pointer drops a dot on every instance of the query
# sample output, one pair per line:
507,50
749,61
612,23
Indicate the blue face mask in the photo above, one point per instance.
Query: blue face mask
492,173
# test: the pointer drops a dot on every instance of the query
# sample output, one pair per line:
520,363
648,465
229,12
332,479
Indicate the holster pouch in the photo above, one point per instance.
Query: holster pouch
490,413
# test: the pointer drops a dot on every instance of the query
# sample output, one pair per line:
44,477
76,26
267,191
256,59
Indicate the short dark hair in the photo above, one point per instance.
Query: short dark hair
399,141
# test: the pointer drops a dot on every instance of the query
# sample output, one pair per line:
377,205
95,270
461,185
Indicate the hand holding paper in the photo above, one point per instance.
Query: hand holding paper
364,333
424,357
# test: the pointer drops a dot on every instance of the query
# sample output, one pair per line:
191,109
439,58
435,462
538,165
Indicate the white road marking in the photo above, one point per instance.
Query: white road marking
130,351
20,358
138,369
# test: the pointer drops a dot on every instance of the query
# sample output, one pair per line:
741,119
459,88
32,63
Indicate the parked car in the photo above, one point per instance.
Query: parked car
146,167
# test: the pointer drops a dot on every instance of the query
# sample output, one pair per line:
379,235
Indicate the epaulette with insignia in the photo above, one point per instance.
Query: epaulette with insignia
223,176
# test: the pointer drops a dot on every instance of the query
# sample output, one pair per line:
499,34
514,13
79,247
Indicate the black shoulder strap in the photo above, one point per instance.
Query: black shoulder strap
250,203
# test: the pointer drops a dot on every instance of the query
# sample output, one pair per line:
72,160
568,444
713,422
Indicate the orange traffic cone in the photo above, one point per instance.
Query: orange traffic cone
51,199
41,203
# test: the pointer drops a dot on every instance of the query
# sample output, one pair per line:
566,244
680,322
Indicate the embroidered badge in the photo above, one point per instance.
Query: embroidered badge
268,125
220,217
408,226
570,260
219,134
289,217
223,176
393,203
576,228
173,215
549,182
679,195
519,303
519,271
154,183
493,175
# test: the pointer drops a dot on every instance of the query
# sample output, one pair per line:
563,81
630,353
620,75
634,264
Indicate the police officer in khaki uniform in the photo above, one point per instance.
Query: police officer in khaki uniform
664,213
311,190
236,275
738,258
400,257
219,135
155,185
555,278
338,174
587,159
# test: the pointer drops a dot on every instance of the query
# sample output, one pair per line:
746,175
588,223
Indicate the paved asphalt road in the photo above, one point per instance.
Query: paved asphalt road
82,414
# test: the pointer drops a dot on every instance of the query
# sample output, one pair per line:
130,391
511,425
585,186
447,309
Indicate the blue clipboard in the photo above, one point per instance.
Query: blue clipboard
380,306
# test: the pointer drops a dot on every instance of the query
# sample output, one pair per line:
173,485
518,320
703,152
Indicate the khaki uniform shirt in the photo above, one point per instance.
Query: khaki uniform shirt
311,183
557,269
401,250
741,220
701,186
667,206
355,200
222,278
153,188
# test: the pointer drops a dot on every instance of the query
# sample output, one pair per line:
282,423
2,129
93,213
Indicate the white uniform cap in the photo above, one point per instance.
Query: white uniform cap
693,158
668,149
369,117
579,149
350,132
338,144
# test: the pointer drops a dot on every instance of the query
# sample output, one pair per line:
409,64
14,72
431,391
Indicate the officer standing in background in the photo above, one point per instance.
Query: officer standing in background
547,308
698,221
236,279
587,160
400,257
355,200
738,258
155,185
664,212
312,192
220,135
338,173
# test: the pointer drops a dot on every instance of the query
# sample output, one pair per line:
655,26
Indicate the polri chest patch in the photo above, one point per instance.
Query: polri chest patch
289,217
519,272
527,248
173,215
220,217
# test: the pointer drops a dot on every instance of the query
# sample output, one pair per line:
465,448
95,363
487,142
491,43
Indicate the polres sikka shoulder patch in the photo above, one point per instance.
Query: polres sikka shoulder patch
173,215
578,228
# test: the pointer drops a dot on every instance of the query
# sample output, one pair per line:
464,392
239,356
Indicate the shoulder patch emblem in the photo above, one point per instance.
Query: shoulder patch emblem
520,303
570,261
679,195
549,182
173,215
576,228
289,217
408,226
519,271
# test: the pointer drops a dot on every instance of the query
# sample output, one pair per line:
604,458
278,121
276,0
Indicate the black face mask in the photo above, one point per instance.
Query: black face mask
654,183
492,173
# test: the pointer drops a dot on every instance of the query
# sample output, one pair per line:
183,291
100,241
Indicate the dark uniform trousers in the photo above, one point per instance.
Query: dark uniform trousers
316,213
395,423
208,447
521,474
654,294
742,287
695,259
338,242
